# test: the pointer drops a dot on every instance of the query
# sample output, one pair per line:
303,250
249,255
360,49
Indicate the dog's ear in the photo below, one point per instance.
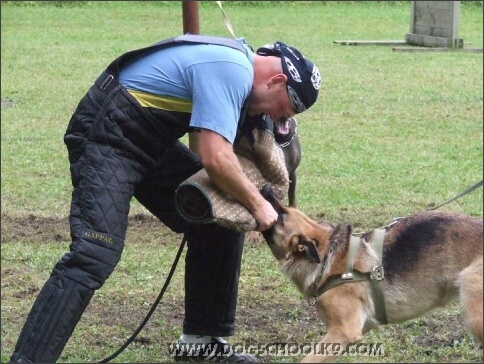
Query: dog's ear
341,234
308,246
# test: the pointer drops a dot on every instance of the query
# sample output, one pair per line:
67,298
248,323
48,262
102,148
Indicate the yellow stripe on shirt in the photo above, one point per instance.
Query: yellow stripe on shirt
161,102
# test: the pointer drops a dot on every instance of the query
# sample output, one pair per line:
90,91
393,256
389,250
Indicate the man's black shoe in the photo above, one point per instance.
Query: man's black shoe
216,351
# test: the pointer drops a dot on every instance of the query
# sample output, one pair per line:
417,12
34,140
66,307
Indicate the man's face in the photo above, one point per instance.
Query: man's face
272,100
282,107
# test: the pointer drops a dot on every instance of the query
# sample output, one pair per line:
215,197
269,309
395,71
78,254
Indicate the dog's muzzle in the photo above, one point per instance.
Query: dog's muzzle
267,234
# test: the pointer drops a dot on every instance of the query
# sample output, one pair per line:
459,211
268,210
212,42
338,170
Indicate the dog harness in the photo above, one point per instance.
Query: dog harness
375,277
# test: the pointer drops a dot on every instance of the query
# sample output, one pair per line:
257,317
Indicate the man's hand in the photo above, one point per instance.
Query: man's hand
265,216
223,168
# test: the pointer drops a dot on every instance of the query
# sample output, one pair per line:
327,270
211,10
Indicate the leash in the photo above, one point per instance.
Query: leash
226,19
153,307
396,219
469,190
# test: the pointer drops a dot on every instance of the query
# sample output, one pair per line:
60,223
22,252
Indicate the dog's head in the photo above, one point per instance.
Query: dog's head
295,235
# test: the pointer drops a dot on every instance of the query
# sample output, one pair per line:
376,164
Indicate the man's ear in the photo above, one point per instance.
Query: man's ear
277,79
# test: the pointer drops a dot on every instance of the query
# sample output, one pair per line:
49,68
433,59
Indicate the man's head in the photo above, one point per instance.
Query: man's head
303,77
285,82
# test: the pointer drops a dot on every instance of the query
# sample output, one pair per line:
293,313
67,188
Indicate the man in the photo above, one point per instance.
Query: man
123,142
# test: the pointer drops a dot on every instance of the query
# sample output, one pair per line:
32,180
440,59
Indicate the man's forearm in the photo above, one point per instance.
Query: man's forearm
224,170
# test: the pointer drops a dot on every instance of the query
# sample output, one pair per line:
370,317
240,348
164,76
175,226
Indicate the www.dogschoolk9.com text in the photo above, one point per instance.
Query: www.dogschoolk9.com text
278,349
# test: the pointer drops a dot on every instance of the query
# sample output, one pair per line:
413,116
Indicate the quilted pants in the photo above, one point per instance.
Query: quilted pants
116,152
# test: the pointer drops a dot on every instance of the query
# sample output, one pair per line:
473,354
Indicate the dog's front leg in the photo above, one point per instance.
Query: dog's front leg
335,343
344,315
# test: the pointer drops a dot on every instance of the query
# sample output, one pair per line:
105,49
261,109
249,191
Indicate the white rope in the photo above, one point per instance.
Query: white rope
226,19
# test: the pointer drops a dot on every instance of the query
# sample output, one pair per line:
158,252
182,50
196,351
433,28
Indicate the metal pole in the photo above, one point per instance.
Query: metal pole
191,25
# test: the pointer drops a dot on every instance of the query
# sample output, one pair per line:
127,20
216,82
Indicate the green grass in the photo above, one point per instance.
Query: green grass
392,133
416,118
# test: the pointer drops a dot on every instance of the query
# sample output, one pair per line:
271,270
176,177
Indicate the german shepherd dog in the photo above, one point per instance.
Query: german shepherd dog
428,259
285,134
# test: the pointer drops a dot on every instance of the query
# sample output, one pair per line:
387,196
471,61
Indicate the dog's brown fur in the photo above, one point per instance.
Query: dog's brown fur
429,258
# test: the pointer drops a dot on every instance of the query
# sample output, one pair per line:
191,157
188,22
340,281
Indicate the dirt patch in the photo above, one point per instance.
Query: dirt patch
36,229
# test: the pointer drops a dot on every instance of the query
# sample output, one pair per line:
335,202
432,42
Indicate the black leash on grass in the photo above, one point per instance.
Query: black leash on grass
153,307
469,190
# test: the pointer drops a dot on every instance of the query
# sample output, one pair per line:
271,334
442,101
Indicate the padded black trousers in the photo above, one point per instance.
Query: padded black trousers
115,154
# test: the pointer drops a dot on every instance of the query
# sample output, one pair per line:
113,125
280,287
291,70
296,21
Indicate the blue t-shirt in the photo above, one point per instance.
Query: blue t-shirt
215,79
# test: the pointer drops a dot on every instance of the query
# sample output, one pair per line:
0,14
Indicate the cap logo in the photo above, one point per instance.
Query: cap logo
292,70
316,78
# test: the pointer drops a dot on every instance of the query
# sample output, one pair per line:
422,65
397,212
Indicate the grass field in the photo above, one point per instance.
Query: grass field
392,133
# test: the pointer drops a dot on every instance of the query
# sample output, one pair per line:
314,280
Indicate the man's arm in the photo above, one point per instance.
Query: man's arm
223,168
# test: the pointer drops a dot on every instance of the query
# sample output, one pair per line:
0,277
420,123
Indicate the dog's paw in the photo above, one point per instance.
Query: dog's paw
253,237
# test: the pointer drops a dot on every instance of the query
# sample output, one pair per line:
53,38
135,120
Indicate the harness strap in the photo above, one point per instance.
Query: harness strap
336,280
113,68
112,71
375,276
350,258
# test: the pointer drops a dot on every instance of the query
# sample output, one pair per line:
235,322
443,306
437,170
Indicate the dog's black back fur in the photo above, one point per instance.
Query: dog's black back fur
415,236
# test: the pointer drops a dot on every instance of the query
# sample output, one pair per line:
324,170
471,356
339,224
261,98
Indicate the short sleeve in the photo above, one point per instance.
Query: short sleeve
219,90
